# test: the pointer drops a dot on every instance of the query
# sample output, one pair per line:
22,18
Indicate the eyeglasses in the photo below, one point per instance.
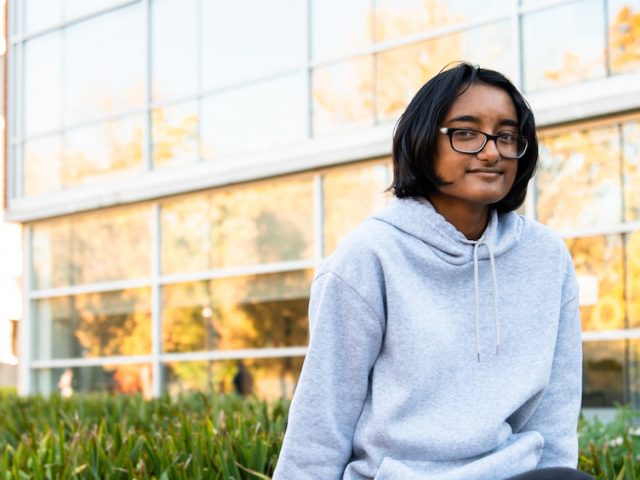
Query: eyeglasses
466,140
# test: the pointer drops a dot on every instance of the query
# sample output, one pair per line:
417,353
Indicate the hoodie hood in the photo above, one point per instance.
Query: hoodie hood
418,218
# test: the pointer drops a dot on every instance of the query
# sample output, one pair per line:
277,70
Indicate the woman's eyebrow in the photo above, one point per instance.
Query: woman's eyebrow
470,118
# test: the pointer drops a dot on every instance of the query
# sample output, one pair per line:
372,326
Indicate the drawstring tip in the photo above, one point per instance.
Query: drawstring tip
478,354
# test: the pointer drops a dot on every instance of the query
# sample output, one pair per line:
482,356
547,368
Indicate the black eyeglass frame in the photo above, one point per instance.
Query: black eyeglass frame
449,132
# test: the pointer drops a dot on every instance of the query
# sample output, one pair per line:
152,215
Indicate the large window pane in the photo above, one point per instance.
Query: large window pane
93,325
572,48
631,170
42,91
350,195
402,71
260,311
97,247
130,379
105,65
244,39
266,378
395,19
603,374
175,134
633,278
104,151
334,34
43,169
245,225
174,48
599,265
624,35
255,118
578,180
39,14
343,96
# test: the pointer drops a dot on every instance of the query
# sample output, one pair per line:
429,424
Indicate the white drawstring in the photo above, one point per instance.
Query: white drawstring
476,245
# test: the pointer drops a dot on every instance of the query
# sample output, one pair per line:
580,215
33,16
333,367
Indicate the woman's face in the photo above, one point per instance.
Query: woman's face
482,178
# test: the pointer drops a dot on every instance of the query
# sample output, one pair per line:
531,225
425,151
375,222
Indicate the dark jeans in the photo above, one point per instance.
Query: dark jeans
553,474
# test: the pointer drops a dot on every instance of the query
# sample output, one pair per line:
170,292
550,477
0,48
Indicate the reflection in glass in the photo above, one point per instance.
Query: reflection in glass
266,378
603,373
599,262
343,96
96,247
104,65
624,35
254,118
332,34
129,379
40,14
42,92
243,225
42,165
259,311
237,45
351,194
572,50
175,134
396,19
578,179
633,278
104,151
631,170
93,325
173,49
402,71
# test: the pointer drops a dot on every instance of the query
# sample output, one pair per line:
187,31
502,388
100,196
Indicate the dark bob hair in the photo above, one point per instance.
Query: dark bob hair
415,135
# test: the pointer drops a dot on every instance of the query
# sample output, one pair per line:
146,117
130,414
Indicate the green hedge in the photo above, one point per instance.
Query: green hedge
198,436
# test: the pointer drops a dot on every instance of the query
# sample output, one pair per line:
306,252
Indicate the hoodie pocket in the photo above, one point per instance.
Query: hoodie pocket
521,452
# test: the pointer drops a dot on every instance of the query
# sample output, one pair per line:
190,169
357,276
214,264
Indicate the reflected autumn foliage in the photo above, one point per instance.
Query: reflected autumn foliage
579,179
246,225
633,278
602,258
624,39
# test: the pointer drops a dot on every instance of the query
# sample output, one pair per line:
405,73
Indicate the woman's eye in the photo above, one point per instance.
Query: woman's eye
466,134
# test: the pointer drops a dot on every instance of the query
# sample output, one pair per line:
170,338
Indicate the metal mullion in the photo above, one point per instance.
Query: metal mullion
307,68
318,216
103,287
621,228
22,37
90,362
516,41
156,303
621,334
147,151
281,267
544,5
25,383
234,354
199,94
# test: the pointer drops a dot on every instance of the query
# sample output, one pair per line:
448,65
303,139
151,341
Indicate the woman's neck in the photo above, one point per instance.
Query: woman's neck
468,219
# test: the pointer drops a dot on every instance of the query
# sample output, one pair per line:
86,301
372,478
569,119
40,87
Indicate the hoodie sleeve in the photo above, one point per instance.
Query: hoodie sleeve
556,416
345,339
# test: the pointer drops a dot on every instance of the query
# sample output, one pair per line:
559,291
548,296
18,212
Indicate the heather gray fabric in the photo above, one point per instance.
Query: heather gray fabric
391,387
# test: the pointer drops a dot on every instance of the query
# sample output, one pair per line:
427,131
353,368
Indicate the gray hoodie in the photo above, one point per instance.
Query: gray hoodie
429,359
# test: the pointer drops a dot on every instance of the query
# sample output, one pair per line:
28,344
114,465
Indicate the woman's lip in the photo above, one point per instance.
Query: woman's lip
494,172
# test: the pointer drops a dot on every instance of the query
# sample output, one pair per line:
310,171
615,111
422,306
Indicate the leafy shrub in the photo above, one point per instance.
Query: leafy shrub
611,451
196,436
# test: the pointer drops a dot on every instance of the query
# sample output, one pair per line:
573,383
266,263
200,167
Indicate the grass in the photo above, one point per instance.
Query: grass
196,436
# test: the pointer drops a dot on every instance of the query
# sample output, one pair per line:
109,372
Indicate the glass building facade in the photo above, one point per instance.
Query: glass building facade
181,167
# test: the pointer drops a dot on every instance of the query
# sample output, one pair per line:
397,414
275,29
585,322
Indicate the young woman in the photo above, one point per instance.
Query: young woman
445,331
